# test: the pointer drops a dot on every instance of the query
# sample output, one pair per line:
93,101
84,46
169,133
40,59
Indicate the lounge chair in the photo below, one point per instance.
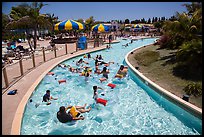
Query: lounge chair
21,51
41,39
6,60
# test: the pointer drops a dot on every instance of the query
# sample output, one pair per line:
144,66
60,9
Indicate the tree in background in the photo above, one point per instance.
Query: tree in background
122,28
52,19
127,21
28,17
5,21
184,28
153,20
158,25
183,32
163,18
89,23
133,22
80,20
172,18
149,21
143,20
193,7
190,52
119,21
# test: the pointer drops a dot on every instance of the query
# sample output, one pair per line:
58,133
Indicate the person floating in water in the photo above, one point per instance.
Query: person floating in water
73,114
88,55
97,70
125,45
98,62
71,69
105,74
108,46
100,57
62,65
48,97
122,72
95,95
80,62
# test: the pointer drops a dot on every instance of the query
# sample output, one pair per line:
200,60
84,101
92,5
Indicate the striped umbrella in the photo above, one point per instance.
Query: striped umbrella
69,25
100,28
137,26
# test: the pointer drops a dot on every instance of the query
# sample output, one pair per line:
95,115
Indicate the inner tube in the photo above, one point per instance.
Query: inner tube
62,81
111,85
101,101
102,79
119,76
50,73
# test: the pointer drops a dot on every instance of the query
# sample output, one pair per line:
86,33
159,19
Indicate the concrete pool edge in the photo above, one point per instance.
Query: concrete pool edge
17,121
194,110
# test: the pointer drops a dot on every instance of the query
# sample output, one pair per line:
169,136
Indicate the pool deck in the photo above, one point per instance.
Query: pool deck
13,104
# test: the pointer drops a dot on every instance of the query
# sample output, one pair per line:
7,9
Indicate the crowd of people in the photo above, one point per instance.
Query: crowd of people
83,69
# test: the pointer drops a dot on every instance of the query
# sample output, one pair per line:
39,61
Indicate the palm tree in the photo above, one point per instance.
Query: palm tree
193,7
19,19
5,21
81,21
52,19
185,28
29,17
37,19
184,34
89,23
122,28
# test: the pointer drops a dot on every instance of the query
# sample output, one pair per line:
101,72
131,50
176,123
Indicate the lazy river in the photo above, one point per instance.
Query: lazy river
132,108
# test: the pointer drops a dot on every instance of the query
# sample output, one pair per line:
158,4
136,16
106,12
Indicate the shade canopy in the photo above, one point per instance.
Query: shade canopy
69,25
100,28
137,26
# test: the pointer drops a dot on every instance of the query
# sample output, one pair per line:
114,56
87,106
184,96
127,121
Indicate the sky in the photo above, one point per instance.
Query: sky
106,11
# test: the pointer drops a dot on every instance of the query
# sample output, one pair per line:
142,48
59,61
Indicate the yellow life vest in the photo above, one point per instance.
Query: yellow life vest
73,111
90,69
84,73
119,75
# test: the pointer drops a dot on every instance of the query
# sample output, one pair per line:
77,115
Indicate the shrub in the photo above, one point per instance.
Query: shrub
193,89
163,41
191,53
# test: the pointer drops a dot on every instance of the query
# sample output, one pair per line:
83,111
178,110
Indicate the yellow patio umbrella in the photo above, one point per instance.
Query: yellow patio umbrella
69,25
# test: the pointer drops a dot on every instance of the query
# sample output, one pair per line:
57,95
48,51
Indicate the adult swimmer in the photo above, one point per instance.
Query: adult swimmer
73,114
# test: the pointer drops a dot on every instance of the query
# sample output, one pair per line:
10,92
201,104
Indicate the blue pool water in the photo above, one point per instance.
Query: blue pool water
132,108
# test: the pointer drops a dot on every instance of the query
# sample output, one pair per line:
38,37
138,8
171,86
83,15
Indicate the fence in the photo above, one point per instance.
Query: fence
14,72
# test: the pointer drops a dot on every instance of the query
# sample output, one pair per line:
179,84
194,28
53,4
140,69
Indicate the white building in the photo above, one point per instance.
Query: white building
113,26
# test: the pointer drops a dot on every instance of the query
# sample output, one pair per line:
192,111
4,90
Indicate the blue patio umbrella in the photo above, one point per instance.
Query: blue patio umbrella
69,25
100,28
